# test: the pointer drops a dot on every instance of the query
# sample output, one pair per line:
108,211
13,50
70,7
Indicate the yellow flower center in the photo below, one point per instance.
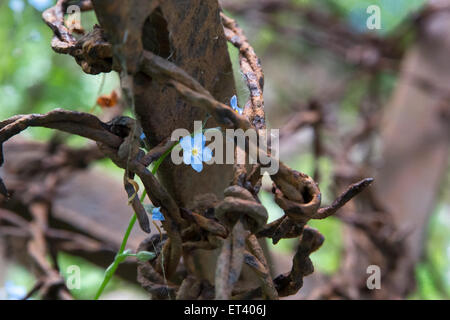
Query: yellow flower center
194,152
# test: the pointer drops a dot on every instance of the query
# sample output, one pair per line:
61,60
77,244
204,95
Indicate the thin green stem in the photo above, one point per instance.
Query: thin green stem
109,272
112,268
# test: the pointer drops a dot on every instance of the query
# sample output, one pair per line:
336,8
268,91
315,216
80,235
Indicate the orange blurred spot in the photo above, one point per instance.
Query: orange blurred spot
107,100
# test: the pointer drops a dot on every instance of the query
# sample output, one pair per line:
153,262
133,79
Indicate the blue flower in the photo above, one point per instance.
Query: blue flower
157,215
143,141
234,105
195,152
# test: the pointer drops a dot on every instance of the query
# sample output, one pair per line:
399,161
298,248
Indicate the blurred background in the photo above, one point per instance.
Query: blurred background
350,103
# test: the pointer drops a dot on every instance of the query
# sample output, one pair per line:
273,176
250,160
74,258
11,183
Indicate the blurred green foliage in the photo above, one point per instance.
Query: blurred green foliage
33,78
91,276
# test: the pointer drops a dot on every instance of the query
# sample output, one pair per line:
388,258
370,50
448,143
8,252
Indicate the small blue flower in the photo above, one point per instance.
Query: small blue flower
157,215
195,152
234,105
142,136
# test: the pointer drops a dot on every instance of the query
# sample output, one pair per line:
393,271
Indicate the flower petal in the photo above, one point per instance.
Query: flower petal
199,141
233,102
186,143
187,155
207,154
197,166
157,215
197,158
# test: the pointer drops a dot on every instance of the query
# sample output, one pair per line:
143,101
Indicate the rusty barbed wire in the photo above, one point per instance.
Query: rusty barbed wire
92,51
236,221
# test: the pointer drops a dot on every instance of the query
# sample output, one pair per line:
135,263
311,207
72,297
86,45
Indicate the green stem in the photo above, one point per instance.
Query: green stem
117,260
112,268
